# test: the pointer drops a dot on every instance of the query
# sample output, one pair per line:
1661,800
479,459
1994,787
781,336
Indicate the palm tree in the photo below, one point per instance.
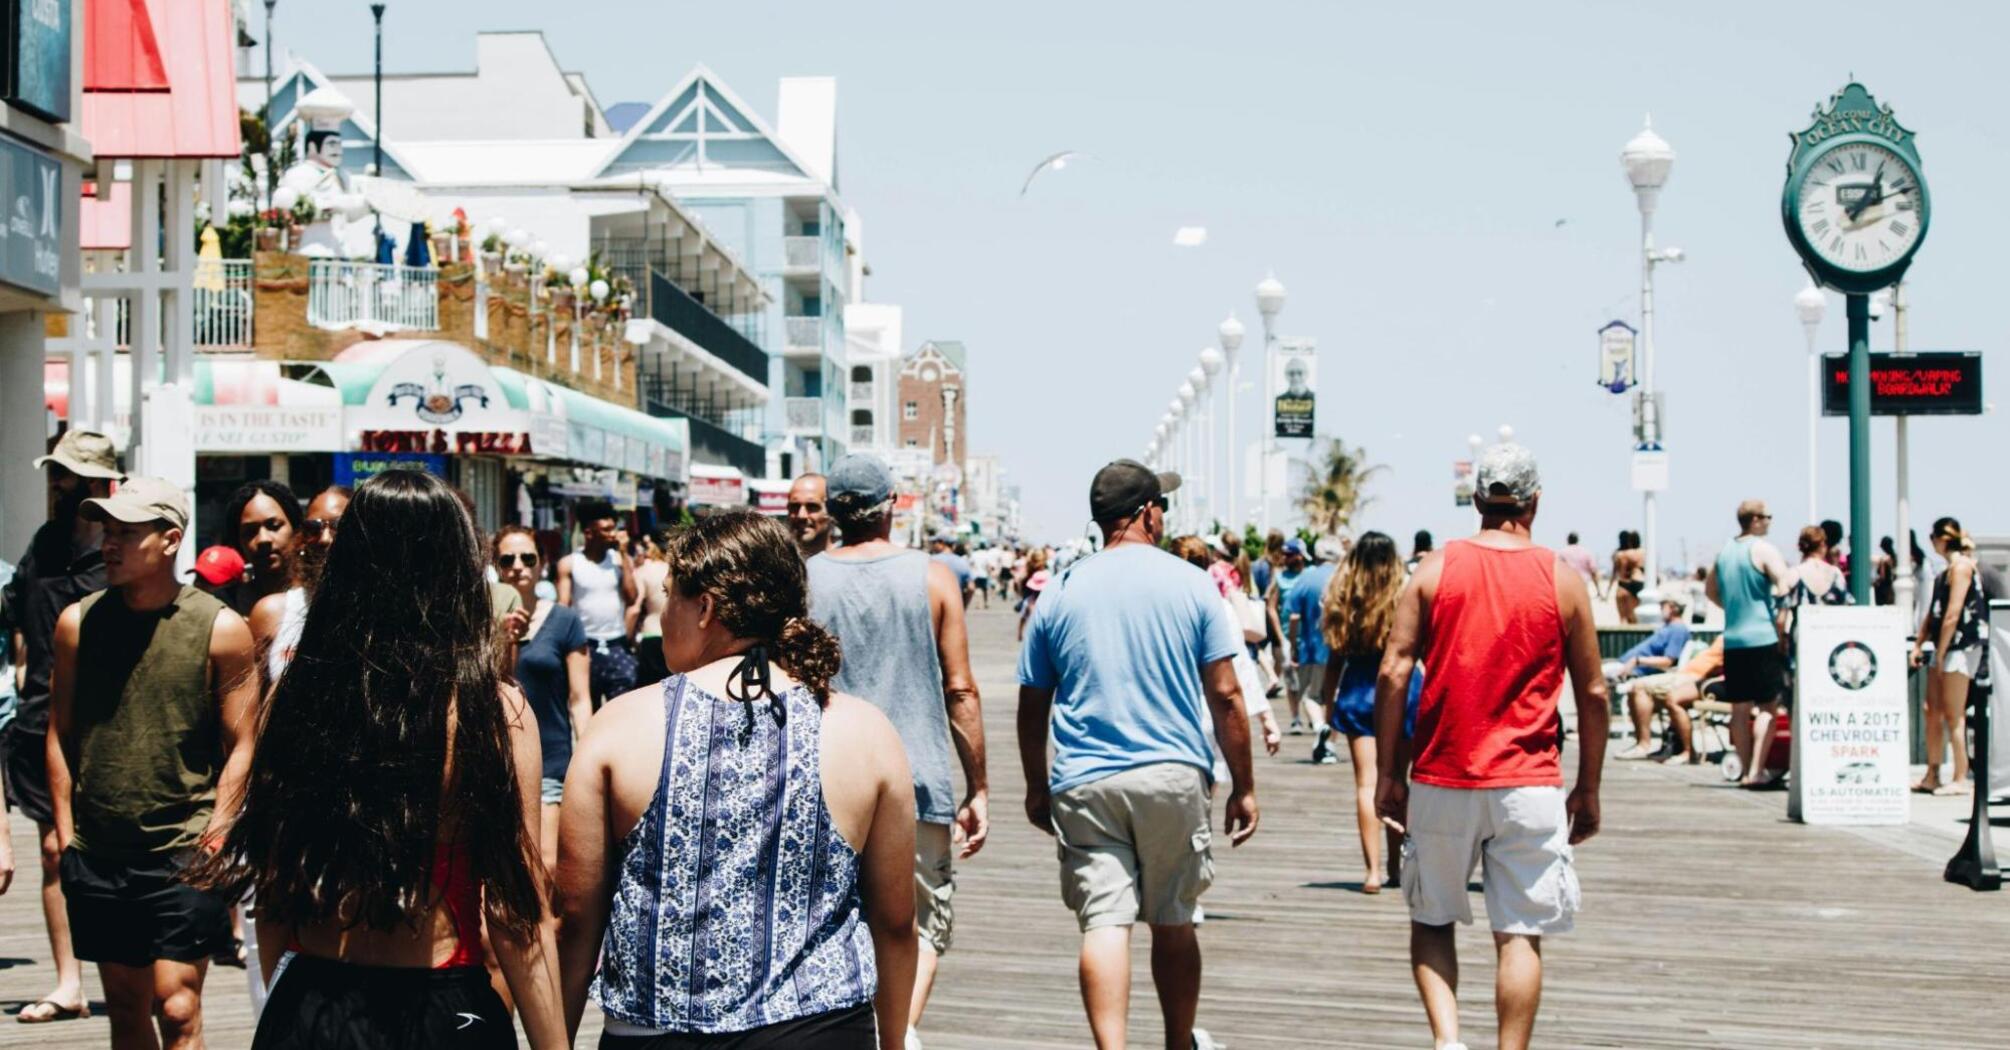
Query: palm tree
1336,488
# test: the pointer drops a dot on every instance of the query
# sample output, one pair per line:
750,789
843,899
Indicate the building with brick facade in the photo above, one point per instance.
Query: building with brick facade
933,402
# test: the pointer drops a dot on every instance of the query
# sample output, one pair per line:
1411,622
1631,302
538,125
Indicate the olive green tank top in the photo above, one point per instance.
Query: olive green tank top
145,720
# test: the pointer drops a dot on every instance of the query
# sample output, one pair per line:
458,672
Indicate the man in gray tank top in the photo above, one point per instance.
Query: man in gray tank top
899,617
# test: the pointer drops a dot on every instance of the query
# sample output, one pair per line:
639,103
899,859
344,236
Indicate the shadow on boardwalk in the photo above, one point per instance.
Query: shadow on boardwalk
1709,922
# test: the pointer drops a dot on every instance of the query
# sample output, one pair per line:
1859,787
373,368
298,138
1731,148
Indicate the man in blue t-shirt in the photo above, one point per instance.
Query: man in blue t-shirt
1300,609
1128,653
942,548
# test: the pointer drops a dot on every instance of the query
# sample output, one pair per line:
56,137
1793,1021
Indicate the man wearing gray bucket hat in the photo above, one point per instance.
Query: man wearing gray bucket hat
62,565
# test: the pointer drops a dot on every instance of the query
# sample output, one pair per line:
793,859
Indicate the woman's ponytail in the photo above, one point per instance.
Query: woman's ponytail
810,654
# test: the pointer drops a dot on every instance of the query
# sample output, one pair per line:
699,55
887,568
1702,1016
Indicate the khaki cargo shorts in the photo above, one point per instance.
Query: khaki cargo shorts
1135,845
934,886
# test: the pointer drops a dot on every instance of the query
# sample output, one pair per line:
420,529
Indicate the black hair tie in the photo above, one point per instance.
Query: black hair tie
751,678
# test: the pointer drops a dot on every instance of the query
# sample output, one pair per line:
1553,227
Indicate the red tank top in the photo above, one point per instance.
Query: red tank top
454,881
1493,670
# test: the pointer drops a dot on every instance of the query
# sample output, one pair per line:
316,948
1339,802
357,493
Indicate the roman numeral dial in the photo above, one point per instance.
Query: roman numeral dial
1860,206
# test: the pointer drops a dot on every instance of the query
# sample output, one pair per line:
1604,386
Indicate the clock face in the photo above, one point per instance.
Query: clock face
1860,207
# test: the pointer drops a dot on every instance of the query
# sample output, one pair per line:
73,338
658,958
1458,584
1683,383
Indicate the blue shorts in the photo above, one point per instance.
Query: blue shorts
1354,705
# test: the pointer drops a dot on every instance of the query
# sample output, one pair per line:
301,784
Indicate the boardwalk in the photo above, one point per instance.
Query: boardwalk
1709,922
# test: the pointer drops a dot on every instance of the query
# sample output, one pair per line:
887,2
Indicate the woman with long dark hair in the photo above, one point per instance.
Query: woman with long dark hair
392,801
740,779
1629,575
1957,625
1359,609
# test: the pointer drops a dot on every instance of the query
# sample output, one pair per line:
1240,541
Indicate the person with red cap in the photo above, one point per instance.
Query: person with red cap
217,569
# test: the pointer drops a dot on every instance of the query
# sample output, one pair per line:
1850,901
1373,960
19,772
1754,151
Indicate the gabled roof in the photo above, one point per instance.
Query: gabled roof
197,115
698,118
949,351
303,76
120,50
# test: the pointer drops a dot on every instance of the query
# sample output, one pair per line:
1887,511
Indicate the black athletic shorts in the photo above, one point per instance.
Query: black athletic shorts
1754,676
136,912
26,759
325,1004
649,665
852,1029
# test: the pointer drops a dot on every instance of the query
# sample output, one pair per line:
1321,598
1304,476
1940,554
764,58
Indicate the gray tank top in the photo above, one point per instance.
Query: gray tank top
878,608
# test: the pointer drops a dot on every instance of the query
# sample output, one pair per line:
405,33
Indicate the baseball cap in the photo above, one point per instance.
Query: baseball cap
1328,549
1123,486
219,565
857,483
139,500
85,453
1506,475
1295,546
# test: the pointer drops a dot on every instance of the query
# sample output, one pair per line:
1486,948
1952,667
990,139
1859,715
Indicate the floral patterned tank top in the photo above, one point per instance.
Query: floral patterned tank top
736,903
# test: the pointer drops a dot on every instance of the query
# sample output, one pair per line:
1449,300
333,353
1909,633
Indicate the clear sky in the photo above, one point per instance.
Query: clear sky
1402,168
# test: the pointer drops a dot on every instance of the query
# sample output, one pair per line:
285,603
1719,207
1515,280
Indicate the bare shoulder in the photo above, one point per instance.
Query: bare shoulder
619,719
229,631
1424,580
267,614
857,720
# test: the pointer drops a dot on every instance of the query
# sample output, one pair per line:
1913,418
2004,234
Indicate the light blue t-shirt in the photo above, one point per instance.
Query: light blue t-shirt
1121,637
1302,601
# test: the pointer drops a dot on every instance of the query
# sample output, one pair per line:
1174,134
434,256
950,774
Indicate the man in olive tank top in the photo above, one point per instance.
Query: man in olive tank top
149,746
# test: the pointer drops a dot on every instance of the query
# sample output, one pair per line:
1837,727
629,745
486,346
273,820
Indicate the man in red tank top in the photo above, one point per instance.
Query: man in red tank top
1497,622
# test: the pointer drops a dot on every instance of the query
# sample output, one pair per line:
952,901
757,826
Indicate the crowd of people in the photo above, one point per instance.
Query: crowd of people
428,784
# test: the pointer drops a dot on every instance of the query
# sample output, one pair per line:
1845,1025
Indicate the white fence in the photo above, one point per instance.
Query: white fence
803,415
799,253
806,333
372,295
222,306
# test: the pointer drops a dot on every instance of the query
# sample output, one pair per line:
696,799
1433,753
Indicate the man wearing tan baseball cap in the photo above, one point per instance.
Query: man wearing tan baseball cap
150,733
62,565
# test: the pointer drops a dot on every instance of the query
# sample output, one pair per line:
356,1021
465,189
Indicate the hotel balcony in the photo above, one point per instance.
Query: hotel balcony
803,416
802,256
804,337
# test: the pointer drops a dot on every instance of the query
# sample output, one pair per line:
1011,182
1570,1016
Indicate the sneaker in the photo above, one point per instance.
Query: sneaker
1324,756
1636,753
1204,1041
1451,1046
1297,728
913,1040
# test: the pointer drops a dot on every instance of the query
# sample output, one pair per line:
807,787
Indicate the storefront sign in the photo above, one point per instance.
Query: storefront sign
38,57
441,442
31,238
718,492
1851,759
1930,384
264,428
437,386
1294,373
353,468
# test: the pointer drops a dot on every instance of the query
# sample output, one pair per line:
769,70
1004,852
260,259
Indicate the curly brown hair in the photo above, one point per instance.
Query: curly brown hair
1359,606
749,564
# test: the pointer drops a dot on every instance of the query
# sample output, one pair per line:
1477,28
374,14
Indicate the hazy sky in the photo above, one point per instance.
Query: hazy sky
1402,170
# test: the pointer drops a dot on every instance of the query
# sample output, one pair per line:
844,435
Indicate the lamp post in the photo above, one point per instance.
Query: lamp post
1210,364
1230,334
1187,396
1901,569
1810,305
1176,412
1204,398
1269,302
377,89
271,175
1647,159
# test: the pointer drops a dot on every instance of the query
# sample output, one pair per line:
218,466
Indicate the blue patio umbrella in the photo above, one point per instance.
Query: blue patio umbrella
387,249
418,247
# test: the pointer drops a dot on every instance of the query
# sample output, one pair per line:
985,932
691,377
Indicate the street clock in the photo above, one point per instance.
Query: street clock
1856,205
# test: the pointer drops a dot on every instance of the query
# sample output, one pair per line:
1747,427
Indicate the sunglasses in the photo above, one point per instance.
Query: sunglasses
315,528
510,561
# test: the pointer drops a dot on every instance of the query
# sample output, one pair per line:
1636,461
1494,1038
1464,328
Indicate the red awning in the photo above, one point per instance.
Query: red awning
197,115
120,52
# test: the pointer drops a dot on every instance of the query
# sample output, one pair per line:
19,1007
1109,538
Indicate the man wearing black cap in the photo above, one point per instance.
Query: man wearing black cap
150,732
63,564
1127,655
899,615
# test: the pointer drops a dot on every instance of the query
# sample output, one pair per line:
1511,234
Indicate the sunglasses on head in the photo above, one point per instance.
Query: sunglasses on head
509,561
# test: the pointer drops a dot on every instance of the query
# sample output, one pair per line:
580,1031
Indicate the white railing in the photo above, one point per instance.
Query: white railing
806,333
799,253
861,438
861,392
372,295
222,307
803,415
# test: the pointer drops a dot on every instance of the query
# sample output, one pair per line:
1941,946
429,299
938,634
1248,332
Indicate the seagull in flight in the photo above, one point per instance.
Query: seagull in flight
1054,163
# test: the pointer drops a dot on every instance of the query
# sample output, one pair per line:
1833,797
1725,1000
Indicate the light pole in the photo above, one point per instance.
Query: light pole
1269,302
1901,568
1204,403
1176,411
1210,366
1811,304
1230,333
377,89
1647,158
271,176
1187,396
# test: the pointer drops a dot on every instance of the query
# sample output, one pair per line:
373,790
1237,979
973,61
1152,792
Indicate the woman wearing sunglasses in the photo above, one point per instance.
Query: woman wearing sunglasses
551,668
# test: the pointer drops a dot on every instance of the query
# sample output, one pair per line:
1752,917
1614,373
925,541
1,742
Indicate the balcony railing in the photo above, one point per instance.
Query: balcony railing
673,308
222,306
372,295
803,415
861,438
861,392
805,335
802,253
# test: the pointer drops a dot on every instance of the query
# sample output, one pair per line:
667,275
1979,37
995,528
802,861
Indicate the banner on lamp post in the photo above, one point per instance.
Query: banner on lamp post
1615,357
1294,375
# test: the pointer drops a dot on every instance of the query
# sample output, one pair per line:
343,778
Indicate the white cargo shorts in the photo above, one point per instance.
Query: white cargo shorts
1519,836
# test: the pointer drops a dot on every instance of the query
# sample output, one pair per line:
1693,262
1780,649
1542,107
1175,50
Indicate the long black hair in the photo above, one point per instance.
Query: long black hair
345,800
233,511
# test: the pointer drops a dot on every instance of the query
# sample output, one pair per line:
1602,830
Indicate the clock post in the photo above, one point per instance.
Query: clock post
1856,208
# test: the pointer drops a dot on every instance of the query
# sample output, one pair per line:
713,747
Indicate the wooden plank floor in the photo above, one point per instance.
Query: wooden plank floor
1709,922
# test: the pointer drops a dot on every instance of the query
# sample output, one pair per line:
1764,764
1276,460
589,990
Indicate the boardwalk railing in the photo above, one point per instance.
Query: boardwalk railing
344,294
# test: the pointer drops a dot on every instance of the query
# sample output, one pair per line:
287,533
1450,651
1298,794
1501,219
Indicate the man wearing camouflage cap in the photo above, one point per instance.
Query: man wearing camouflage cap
1498,621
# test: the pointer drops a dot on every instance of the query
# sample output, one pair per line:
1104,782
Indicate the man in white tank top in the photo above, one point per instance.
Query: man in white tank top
598,581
